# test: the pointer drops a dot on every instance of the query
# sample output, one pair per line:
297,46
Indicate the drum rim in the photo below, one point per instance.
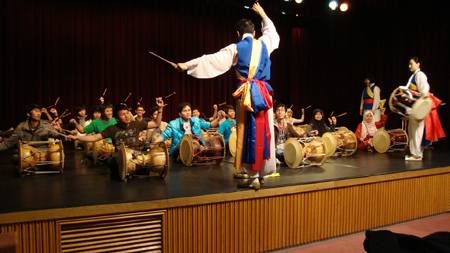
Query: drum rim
166,166
233,153
391,97
416,104
122,162
333,143
223,145
19,166
186,139
381,150
299,149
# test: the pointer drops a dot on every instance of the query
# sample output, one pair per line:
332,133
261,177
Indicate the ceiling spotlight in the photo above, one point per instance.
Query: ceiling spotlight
344,7
333,5
298,1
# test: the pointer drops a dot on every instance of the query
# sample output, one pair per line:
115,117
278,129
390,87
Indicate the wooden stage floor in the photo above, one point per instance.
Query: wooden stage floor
83,184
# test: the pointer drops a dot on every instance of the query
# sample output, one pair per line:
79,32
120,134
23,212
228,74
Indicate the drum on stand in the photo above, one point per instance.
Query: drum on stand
100,149
48,155
132,162
404,102
192,152
298,151
343,141
396,140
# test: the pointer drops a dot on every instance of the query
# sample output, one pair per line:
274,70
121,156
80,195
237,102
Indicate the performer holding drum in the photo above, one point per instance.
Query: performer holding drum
252,63
184,125
367,129
33,129
283,131
317,126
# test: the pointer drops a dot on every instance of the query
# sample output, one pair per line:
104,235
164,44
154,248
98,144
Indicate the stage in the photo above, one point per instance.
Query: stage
213,199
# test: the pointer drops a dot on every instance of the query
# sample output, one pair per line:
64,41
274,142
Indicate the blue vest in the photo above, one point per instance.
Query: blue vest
368,106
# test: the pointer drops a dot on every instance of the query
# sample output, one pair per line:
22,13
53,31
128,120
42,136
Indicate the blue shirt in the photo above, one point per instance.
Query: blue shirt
176,131
225,129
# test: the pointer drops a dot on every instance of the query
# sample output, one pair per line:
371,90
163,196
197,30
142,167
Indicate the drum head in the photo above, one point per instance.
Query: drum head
420,109
330,142
381,141
293,153
186,150
122,162
232,143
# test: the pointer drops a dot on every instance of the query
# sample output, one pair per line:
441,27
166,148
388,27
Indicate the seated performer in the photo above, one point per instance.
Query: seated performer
82,119
283,131
152,133
95,112
367,129
196,113
126,131
98,125
185,124
293,121
33,129
229,125
317,126
140,111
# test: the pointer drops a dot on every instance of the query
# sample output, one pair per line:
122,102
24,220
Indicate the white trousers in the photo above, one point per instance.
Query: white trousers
415,134
268,166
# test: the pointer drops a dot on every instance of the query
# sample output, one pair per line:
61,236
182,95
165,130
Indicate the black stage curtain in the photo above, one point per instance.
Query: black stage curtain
76,49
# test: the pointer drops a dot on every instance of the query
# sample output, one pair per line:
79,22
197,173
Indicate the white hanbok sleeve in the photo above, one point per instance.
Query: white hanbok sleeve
269,35
422,82
212,65
376,98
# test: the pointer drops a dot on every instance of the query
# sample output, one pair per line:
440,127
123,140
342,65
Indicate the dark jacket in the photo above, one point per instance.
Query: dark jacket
290,132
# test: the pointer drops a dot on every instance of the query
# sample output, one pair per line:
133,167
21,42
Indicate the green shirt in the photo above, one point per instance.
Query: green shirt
97,125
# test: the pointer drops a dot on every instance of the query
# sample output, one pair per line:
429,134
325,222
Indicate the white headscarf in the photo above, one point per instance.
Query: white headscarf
368,128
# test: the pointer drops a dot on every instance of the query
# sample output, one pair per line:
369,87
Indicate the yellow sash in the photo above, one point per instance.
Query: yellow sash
246,103
382,102
369,91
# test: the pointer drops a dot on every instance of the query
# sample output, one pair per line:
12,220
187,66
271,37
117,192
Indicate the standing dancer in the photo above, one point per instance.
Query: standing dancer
250,57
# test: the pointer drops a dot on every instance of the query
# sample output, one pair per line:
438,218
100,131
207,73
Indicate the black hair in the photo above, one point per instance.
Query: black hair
94,109
280,105
195,108
105,106
119,107
153,110
141,106
30,107
416,59
182,105
227,108
371,78
79,108
245,26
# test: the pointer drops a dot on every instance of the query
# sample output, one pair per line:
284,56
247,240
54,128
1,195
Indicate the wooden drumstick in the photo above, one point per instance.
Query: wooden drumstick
291,106
345,113
170,95
56,101
104,92
307,107
224,103
171,63
274,101
140,100
67,131
127,98
165,105
332,113
65,115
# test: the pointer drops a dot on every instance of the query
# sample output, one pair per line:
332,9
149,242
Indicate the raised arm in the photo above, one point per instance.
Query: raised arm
157,122
269,32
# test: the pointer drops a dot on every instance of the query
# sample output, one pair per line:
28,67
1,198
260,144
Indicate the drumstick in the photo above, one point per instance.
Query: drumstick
67,131
140,101
224,103
307,107
170,95
291,106
204,115
127,98
104,92
65,115
165,105
332,113
341,115
56,101
274,101
62,115
171,63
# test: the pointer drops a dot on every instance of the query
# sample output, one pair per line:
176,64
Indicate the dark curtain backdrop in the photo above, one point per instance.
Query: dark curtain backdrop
76,49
